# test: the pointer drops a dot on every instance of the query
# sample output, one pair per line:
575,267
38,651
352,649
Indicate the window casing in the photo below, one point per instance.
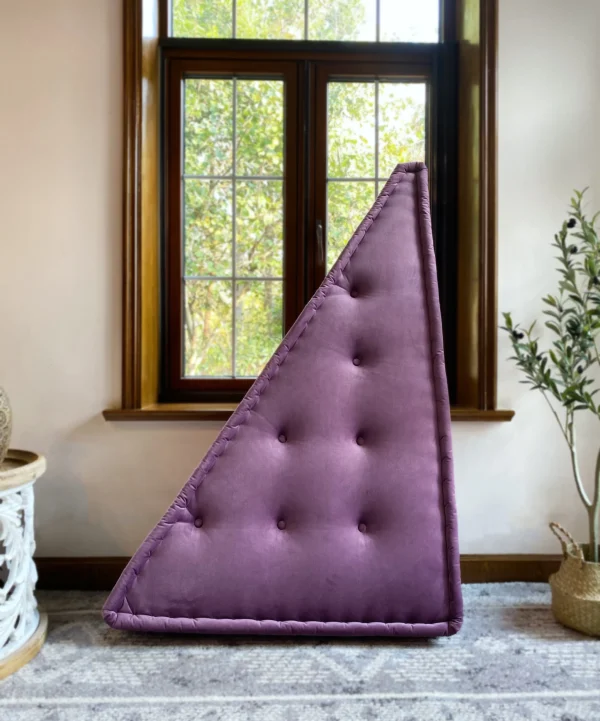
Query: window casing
323,197
472,199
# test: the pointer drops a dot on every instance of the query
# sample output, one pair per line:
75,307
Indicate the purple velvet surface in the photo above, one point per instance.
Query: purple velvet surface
326,504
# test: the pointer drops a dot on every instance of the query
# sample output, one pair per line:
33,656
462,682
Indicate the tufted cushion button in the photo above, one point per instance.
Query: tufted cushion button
362,527
356,361
353,293
360,440
198,523
282,438
281,525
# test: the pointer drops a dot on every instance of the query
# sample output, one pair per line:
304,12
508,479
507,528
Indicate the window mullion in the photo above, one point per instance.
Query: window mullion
376,132
306,19
234,227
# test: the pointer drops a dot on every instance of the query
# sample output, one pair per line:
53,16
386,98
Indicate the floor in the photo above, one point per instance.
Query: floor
511,661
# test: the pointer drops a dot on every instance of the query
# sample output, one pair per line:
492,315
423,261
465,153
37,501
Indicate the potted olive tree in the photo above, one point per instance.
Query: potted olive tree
563,374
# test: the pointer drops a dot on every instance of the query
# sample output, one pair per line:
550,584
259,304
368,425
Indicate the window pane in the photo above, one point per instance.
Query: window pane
259,228
202,18
347,205
371,127
208,227
270,19
207,328
342,20
234,137
259,127
401,125
351,130
409,21
259,324
350,20
208,127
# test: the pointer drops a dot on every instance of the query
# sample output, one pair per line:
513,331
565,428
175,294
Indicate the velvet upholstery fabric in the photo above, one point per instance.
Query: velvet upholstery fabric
326,504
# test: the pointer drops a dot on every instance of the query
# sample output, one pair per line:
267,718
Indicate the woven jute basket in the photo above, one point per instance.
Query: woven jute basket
575,587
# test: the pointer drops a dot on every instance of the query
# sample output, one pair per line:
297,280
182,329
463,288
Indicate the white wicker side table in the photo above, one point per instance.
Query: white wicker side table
22,628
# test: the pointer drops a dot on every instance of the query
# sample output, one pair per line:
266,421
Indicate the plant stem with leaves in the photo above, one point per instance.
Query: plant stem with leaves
563,372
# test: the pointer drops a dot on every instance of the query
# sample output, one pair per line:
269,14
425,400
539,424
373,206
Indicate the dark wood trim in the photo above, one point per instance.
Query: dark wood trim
140,203
508,568
489,230
100,574
448,20
173,412
93,573
223,411
441,159
131,202
478,415
175,387
476,301
314,50
164,19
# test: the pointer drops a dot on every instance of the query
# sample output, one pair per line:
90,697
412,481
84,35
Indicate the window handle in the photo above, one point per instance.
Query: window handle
320,243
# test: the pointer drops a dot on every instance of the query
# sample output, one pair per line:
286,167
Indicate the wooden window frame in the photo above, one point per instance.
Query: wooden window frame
308,66
475,28
172,386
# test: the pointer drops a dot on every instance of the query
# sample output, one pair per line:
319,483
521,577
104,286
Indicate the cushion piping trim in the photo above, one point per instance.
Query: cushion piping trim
394,625
440,388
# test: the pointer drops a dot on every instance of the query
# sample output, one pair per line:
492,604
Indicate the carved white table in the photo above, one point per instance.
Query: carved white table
22,628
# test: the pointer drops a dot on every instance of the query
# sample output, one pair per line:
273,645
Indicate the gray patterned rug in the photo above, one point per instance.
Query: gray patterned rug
511,661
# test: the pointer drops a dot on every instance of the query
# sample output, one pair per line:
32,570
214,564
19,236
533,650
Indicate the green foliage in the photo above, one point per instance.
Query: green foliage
259,317
336,20
401,125
347,205
266,19
259,127
209,224
564,371
573,317
351,127
208,328
354,132
202,18
208,209
259,228
269,19
351,130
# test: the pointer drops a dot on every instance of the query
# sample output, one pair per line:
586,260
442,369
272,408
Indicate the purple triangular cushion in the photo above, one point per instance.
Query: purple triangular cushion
326,504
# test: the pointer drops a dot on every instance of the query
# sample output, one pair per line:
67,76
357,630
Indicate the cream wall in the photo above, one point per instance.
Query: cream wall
60,213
